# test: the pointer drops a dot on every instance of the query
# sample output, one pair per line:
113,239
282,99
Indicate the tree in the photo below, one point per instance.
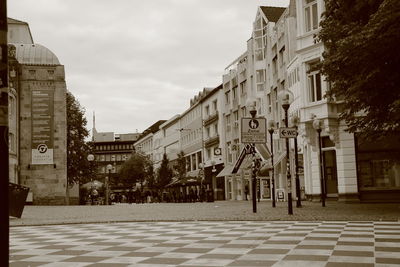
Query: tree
137,168
79,170
361,61
180,166
164,173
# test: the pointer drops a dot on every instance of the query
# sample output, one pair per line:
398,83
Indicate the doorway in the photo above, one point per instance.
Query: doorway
330,173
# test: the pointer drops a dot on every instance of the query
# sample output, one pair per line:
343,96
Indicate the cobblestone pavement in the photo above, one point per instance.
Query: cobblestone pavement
208,243
219,211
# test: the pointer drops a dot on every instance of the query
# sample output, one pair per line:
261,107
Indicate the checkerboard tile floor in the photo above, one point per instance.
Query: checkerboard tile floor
198,243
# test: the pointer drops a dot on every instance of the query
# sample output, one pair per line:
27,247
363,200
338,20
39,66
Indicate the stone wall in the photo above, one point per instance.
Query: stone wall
46,182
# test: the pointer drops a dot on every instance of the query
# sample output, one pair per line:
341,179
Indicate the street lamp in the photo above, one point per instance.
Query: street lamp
251,106
295,122
213,179
286,98
317,125
271,128
109,168
90,158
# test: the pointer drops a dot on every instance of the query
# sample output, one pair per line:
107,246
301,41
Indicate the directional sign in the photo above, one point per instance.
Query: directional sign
254,130
287,132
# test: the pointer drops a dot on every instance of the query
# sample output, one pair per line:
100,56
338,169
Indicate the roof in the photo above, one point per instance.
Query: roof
152,129
272,13
35,54
15,21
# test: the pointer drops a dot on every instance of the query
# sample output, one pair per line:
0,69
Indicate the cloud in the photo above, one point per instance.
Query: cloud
135,62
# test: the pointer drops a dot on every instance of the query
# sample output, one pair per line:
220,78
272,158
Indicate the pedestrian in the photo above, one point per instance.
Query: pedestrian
246,191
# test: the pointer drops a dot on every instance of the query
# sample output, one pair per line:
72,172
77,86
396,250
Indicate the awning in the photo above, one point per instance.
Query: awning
263,151
279,158
184,181
227,170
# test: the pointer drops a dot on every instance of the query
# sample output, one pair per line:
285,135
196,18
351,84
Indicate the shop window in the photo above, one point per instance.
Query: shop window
327,142
378,163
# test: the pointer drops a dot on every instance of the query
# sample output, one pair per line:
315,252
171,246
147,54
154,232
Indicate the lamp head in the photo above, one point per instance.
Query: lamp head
90,157
271,124
109,167
286,98
317,124
251,106
295,120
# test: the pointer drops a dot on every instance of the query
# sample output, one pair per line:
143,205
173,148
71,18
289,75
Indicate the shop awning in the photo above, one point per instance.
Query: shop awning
263,151
225,171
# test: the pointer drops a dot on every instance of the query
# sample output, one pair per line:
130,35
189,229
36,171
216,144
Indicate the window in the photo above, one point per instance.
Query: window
215,129
208,132
269,103
243,88
227,98
215,105
244,112
311,15
229,152
193,161
314,84
234,91
207,110
228,123
11,142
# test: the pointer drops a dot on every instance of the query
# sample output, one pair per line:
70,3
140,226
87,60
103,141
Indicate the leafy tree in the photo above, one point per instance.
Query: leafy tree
137,168
361,60
180,166
79,169
164,173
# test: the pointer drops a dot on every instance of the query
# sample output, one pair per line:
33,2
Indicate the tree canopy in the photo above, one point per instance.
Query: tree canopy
137,168
361,62
180,166
164,173
79,169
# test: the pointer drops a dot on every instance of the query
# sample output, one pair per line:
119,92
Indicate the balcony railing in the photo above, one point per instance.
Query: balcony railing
211,141
210,119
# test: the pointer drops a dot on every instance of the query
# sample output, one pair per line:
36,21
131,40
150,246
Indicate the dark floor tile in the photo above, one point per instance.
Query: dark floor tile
388,249
219,256
269,251
388,260
192,250
306,257
353,253
249,263
141,254
85,259
170,261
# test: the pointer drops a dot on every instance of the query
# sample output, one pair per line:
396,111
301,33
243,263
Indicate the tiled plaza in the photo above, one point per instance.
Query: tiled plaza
208,243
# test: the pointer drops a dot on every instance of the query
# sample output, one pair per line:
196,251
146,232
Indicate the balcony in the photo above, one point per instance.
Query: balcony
211,141
210,119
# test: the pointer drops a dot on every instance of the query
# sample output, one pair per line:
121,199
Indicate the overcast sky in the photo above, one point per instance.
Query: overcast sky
136,62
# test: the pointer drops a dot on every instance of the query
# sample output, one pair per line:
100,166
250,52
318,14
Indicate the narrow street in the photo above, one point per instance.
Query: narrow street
208,243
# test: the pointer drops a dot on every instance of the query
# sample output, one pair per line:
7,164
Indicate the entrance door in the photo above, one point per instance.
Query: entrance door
330,173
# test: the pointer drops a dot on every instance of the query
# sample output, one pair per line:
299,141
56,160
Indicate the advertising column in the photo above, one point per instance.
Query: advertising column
42,126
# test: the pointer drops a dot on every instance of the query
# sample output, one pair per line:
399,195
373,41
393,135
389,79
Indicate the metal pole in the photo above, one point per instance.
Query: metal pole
289,178
273,170
321,169
106,182
253,188
296,157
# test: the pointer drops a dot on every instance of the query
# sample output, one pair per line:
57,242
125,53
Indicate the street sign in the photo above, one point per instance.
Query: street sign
287,132
254,130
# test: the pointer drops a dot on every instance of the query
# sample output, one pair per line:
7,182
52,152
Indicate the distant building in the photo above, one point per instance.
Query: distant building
112,149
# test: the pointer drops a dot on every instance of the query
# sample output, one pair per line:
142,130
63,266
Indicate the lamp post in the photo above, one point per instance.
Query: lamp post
109,168
251,105
90,158
295,122
213,179
286,98
271,128
317,125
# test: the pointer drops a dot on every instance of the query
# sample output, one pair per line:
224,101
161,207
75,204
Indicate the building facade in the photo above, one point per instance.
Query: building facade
38,151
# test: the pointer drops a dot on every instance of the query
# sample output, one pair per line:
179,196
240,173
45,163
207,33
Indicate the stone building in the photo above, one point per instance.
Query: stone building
38,149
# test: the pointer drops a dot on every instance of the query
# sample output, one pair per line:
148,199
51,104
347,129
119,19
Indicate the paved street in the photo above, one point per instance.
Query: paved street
219,211
208,243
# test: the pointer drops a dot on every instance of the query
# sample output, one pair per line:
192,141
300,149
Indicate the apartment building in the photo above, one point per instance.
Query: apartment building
170,133
213,159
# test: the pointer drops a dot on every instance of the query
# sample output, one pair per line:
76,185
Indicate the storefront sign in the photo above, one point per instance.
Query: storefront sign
42,126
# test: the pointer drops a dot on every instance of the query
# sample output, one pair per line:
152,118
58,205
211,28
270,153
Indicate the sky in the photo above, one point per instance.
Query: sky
136,62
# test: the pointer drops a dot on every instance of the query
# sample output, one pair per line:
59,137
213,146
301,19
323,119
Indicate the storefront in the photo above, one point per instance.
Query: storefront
378,168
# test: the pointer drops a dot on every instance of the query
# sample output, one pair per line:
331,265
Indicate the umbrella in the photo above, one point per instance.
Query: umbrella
92,185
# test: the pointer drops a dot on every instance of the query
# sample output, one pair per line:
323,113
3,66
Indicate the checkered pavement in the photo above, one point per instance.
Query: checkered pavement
208,243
